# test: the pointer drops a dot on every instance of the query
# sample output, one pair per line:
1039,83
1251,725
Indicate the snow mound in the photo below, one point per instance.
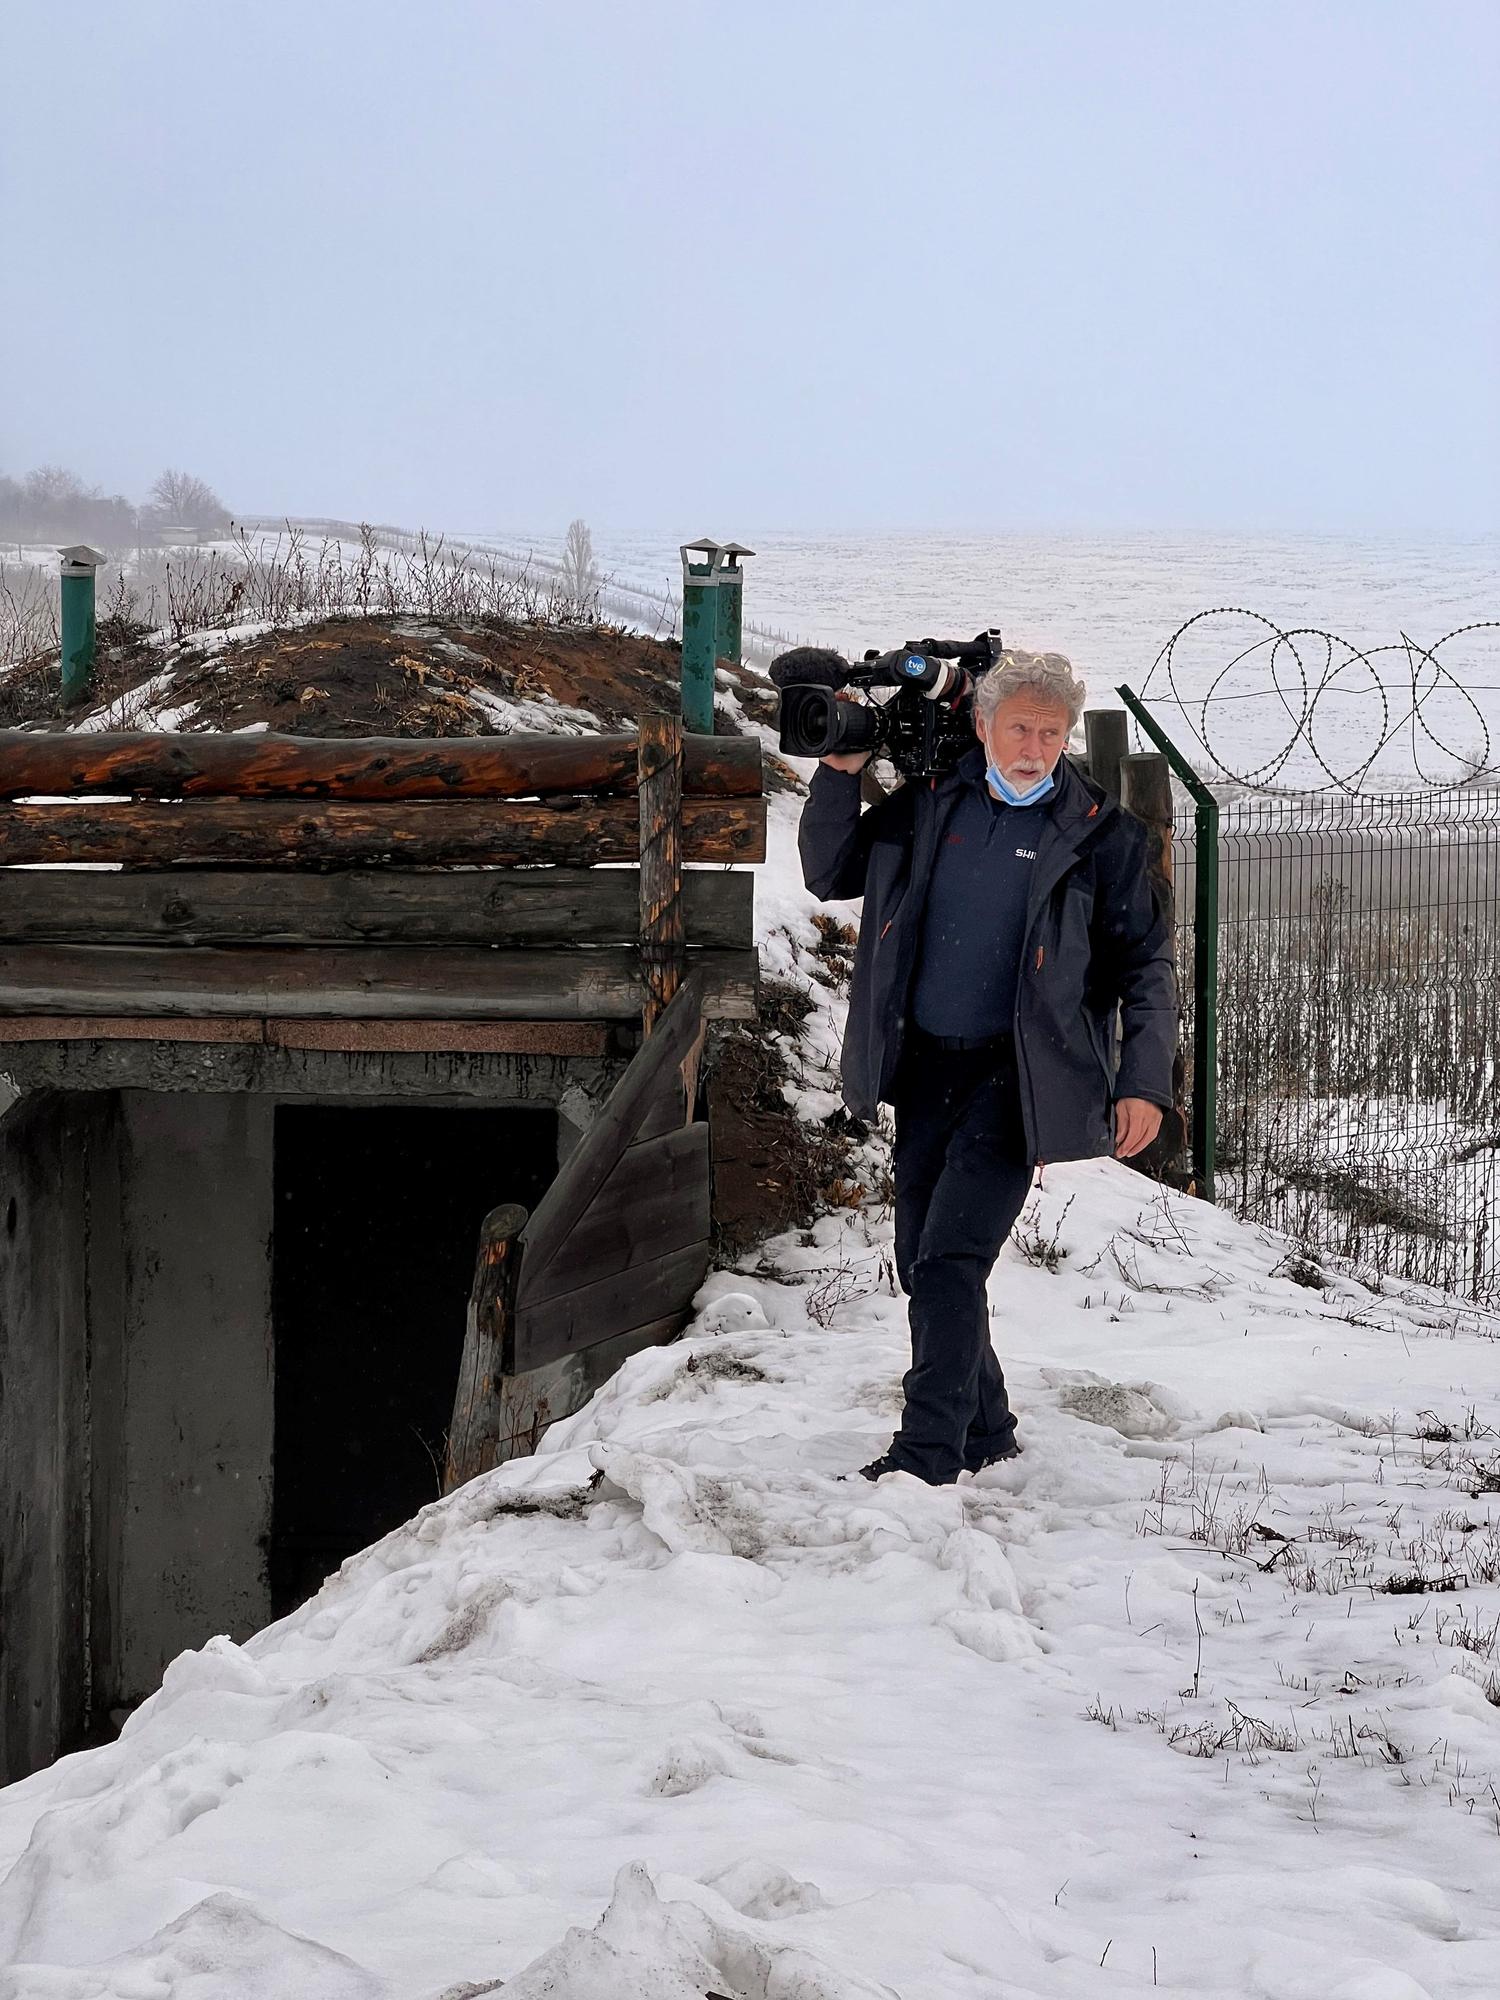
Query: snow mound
1133,1412
645,1949
218,1947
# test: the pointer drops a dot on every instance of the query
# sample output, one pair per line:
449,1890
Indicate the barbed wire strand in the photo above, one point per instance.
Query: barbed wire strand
1406,704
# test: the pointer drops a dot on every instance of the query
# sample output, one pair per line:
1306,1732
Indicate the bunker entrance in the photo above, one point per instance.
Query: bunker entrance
377,1212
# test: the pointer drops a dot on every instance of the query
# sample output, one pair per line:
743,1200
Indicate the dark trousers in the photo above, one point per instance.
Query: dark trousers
961,1177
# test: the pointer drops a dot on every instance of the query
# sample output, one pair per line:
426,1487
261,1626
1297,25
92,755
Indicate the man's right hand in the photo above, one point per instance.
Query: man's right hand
847,760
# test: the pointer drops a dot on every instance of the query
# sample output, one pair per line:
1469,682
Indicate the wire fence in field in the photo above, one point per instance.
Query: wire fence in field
1359,1026
278,573
1358,989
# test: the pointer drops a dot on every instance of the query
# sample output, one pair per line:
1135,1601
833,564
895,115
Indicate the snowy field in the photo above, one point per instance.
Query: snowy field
1201,1696
1111,603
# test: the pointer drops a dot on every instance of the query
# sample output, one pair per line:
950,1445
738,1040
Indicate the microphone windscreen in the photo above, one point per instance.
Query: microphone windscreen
818,666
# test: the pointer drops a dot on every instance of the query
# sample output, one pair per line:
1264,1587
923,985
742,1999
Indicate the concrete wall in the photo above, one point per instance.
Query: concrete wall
189,1474
137,1374
135,1398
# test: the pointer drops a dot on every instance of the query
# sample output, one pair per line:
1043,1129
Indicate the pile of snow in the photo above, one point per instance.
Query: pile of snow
1160,1706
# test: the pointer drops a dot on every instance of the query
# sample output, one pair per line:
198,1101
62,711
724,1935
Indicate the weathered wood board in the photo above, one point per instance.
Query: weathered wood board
429,982
510,907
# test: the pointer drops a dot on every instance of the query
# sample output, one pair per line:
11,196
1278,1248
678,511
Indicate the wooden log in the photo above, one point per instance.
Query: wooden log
1146,791
659,1288
398,982
654,1068
660,801
208,765
474,1432
510,907
655,1200
343,835
1107,734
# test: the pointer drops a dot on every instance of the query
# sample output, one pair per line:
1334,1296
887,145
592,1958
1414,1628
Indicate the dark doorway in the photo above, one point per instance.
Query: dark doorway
377,1220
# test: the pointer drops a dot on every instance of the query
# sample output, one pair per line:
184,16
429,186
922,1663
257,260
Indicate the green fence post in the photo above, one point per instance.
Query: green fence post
732,604
1205,944
78,566
700,632
1205,990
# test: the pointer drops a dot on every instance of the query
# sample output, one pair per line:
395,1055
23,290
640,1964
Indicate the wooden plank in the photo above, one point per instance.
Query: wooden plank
259,833
125,1028
370,982
1146,791
661,863
212,765
500,906
593,1159
668,1113
482,1038
655,1200
475,1428
1107,733
656,1289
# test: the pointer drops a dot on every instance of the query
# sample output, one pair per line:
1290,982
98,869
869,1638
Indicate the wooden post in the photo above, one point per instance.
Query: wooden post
1146,791
1106,732
660,791
475,1430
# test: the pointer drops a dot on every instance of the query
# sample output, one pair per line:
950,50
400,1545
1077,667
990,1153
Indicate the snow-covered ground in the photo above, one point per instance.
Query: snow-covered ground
1199,1696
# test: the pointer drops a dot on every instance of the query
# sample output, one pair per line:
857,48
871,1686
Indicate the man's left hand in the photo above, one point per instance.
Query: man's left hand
1137,1123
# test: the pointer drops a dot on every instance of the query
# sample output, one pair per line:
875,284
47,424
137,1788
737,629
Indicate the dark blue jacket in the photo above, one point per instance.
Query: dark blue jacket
1097,940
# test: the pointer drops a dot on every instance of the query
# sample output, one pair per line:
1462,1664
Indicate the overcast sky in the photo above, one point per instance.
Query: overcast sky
906,263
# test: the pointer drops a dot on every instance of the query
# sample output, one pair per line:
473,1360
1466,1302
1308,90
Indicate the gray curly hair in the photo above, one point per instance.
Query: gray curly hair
1049,676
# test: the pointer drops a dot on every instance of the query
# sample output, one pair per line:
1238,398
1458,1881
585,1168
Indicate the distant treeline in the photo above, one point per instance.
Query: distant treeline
51,504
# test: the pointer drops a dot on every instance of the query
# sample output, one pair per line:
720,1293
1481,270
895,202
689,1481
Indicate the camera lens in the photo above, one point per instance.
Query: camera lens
815,723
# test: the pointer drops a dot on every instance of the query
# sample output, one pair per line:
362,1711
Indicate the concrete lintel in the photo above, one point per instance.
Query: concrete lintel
500,1077
556,1038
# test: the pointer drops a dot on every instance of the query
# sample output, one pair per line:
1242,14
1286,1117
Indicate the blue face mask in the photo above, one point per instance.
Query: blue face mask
1003,788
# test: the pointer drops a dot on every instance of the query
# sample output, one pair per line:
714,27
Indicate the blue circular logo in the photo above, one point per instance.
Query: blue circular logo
913,664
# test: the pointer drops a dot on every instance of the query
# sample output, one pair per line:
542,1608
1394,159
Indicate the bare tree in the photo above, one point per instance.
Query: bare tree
53,504
183,500
580,573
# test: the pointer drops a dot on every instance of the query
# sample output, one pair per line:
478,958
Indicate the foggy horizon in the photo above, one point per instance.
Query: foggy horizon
982,270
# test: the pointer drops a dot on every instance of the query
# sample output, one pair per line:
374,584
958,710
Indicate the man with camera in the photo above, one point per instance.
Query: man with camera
1013,997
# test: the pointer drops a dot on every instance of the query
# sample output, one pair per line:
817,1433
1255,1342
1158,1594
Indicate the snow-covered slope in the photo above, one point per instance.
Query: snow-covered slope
1197,1697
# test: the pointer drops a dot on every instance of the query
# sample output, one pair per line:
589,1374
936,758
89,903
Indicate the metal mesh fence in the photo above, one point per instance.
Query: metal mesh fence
1359,1024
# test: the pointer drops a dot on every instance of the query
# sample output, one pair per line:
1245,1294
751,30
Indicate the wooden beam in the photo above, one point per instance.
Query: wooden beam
661,862
656,1199
1106,732
1146,791
497,906
372,982
261,834
125,1028
658,1288
479,1038
208,764
654,1067
475,1430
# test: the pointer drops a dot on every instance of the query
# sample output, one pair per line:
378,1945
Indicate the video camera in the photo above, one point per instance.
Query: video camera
924,727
